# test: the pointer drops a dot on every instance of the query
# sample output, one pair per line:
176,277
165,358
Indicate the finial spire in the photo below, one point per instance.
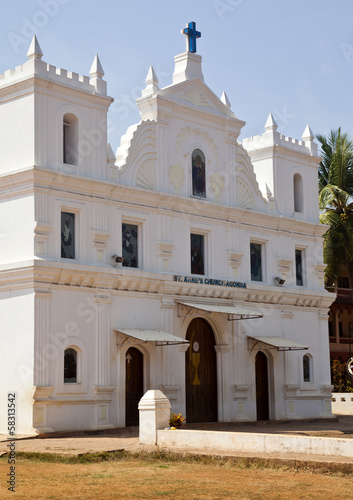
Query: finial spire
308,134
151,77
34,51
225,100
96,70
271,123
151,83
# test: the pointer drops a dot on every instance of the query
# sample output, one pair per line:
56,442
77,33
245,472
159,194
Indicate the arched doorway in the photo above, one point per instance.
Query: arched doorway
261,373
201,373
133,385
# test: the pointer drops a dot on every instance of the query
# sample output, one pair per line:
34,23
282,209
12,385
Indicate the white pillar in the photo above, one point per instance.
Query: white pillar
102,340
44,353
223,391
154,408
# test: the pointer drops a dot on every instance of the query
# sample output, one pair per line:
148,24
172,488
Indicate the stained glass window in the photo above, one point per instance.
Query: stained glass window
197,254
256,261
130,245
198,174
299,267
67,235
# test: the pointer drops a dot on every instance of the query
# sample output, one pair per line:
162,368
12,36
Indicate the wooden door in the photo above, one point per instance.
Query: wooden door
261,371
201,373
133,385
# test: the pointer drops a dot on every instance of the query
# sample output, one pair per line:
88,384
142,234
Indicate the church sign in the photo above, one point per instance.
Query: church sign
208,281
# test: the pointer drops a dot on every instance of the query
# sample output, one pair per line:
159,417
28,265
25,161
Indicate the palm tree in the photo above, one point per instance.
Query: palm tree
335,198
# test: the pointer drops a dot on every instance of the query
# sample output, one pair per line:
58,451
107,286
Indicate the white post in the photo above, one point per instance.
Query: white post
154,408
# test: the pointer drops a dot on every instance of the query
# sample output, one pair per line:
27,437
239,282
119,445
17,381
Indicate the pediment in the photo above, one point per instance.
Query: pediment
196,94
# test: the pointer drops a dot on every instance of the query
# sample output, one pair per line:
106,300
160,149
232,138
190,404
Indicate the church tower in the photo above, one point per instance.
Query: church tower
286,170
60,117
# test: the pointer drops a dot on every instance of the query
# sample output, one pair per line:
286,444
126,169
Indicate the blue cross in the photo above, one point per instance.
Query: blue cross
192,34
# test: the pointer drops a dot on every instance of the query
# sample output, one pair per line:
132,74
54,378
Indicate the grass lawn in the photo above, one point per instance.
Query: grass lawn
158,475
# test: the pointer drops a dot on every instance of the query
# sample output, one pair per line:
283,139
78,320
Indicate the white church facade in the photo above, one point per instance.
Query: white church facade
186,262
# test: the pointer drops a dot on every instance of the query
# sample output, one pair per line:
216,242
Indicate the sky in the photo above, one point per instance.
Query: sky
291,58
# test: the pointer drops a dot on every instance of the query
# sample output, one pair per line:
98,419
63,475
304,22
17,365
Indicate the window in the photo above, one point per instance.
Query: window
198,174
256,261
298,193
70,366
306,368
343,283
197,254
340,329
130,245
70,139
299,267
67,235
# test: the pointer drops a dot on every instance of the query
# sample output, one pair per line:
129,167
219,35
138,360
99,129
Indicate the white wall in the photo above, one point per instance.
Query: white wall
17,349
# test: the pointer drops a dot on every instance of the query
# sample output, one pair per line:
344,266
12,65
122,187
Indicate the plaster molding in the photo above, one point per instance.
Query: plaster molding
187,132
43,392
176,177
103,392
241,392
217,183
223,348
100,237
124,195
42,228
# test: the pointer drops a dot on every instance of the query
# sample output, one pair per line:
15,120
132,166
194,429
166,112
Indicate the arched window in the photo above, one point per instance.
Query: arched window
198,173
298,193
307,368
70,139
70,366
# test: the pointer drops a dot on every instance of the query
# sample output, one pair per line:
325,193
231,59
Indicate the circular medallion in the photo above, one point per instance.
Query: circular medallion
195,346
350,366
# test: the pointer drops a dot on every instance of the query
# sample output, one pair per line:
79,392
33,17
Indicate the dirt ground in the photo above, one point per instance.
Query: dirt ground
156,479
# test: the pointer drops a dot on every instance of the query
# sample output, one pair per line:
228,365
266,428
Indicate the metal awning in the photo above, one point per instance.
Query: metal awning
134,337
234,312
278,343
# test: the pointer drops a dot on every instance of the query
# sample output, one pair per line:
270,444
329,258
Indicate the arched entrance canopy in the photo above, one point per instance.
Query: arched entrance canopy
130,336
278,343
234,312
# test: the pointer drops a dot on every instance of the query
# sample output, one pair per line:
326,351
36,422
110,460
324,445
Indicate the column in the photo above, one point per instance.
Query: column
171,360
44,353
223,392
103,339
291,380
103,389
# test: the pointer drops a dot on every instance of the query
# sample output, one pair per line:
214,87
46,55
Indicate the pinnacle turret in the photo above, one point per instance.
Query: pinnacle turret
308,134
271,123
151,83
225,100
34,51
96,70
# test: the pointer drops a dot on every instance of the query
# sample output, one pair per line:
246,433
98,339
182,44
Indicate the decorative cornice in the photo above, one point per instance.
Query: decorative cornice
108,280
146,200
